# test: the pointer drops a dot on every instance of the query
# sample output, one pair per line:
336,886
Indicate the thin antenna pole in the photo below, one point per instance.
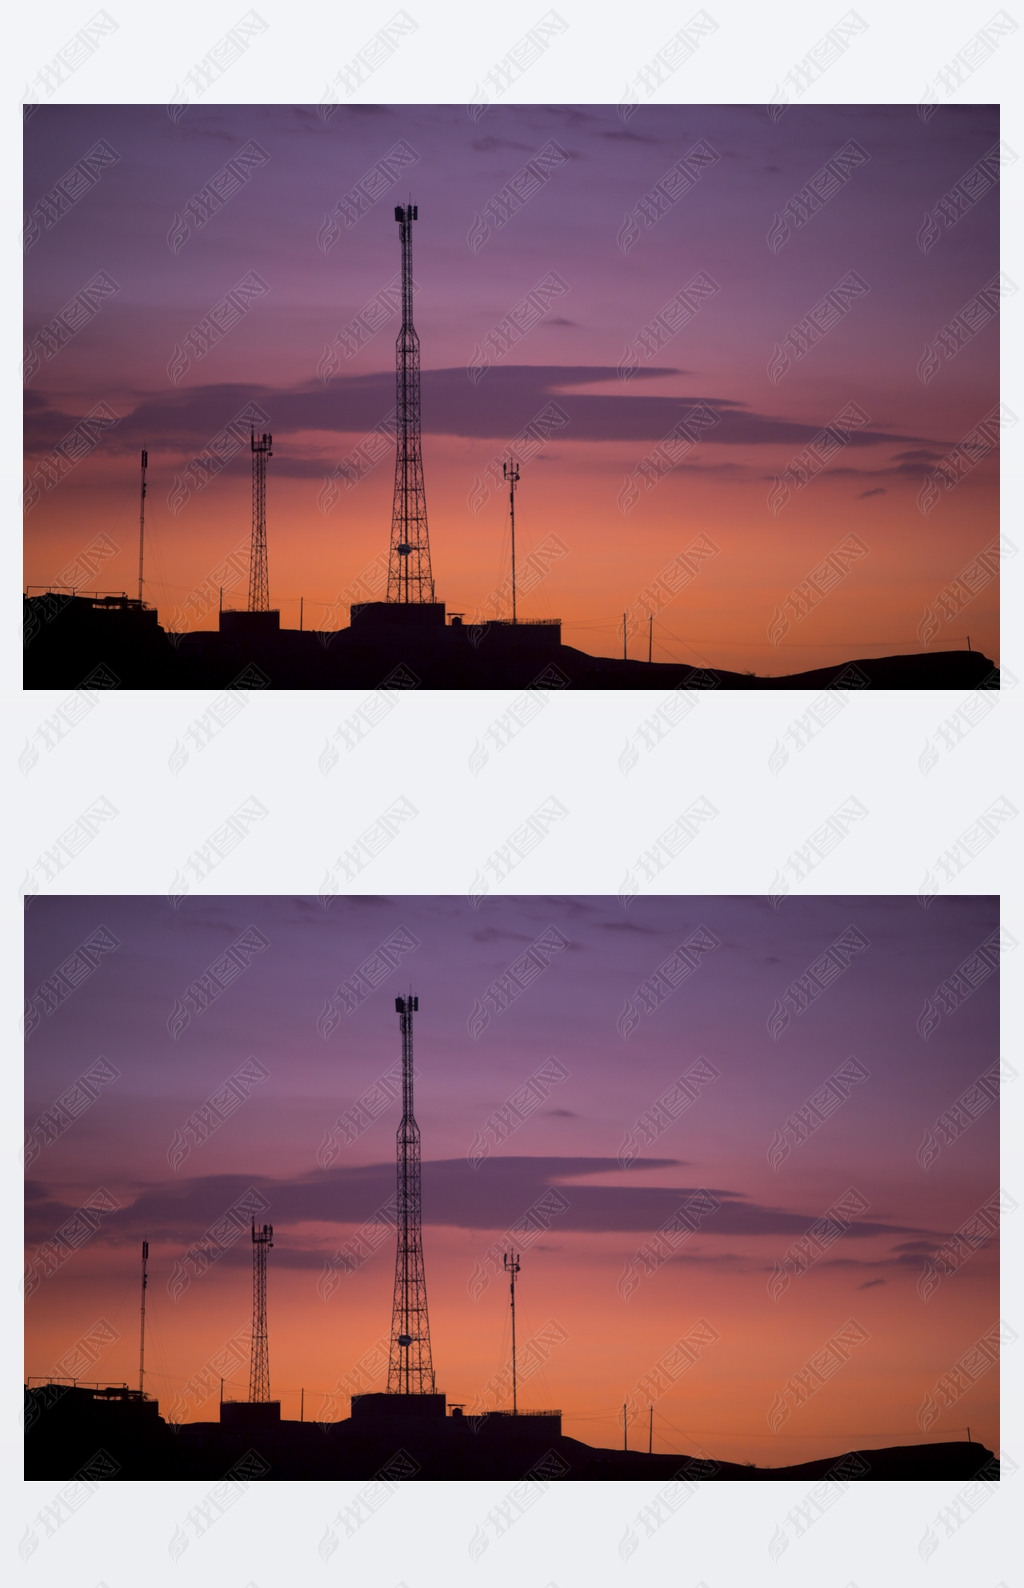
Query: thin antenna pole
650,634
302,1406
512,1266
650,1430
623,636
624,1446
511,472
301,604
968,642
142,519
222,1392
142,1319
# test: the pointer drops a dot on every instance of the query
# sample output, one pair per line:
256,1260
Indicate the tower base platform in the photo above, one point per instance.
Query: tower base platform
397,614
249,1417
249,625
377,1408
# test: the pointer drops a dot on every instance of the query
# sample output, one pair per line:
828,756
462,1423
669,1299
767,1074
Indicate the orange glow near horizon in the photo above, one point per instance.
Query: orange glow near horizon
718,1407
576,560
812,551
700,1205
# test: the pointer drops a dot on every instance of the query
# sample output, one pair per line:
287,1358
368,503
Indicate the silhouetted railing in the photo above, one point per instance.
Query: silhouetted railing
522,623
119,598
78,1383
532,1412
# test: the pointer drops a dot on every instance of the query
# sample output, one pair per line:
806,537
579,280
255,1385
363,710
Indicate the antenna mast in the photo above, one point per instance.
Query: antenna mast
410,1369
142,1323
409,575
259,588
142,518
259,1370
511,473
512,1268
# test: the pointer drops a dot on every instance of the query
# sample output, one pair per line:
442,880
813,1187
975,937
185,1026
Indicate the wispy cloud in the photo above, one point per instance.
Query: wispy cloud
489,1198
185,419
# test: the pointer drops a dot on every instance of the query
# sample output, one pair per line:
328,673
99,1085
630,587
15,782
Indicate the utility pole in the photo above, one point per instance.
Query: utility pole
259,1370
623,636
142,518
142,1320
650,634
302,601
302,1406
624,1446
259,588
511,473
650,1431
512,1268
410,1369
409,575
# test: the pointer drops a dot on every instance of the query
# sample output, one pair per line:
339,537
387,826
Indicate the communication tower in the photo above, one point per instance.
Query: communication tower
410,1369
259,1371
259,586
409,575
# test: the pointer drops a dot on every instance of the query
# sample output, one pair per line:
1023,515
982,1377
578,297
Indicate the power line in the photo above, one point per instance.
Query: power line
806,645
892,1433
611,1414
685,643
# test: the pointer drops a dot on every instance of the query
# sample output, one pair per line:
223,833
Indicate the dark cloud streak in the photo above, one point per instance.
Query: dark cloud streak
496,408
492,1197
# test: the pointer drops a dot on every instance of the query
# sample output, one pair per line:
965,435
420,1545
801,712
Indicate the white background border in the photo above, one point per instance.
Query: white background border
125,749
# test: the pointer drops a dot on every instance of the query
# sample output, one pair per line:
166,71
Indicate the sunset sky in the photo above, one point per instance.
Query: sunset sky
550,1042
601,232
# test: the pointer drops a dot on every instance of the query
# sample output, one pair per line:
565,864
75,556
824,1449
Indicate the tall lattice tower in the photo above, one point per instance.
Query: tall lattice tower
410,1369
409,575
259,587
259,1371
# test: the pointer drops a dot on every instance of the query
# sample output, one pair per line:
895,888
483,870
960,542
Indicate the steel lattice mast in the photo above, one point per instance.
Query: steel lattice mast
259,587
410,1369
259,1371
409,575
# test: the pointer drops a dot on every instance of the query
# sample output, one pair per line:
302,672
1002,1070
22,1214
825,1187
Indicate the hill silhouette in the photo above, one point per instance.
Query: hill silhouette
65,1427
69,641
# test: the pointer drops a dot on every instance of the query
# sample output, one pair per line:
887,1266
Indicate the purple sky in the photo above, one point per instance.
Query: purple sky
135,224
618,1044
